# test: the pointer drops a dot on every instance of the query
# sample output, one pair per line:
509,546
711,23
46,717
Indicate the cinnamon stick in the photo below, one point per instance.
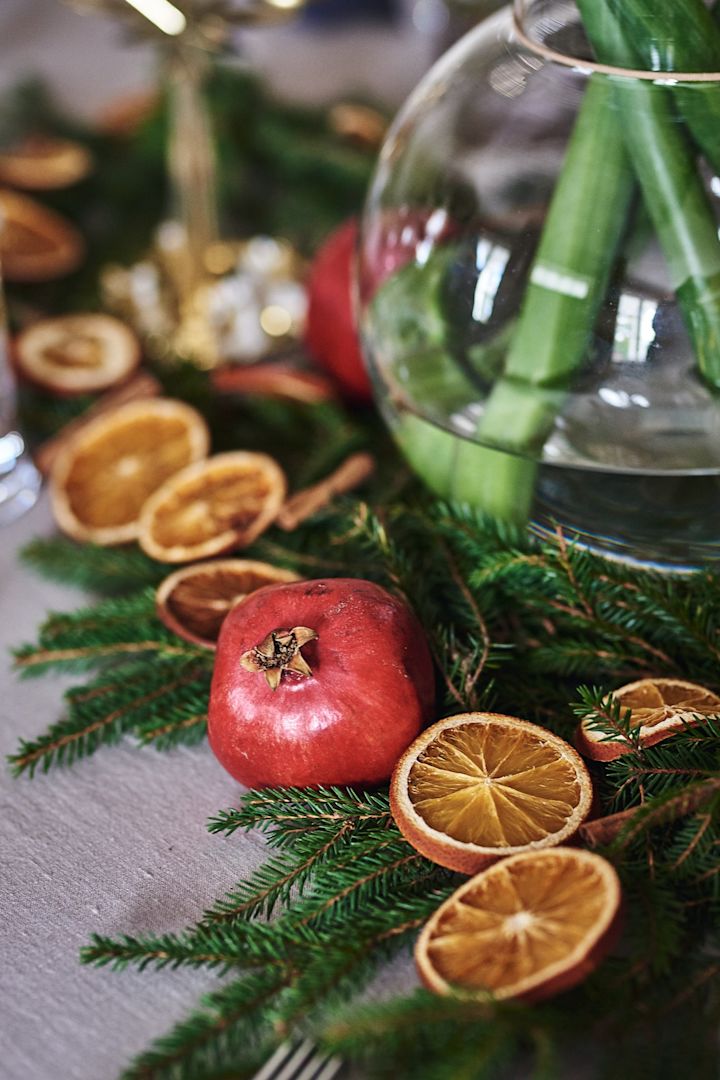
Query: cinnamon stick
303,504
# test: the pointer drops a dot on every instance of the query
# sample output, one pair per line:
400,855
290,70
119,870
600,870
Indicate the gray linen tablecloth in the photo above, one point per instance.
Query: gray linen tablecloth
115,844
118,843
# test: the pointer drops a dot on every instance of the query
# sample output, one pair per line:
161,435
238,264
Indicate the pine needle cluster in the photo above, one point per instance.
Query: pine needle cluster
346,891
342,891
534,627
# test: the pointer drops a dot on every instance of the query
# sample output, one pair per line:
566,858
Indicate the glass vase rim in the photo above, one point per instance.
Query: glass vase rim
593,67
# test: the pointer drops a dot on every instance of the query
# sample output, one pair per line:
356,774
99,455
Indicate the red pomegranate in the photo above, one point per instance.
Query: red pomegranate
331,335
318,683
392,239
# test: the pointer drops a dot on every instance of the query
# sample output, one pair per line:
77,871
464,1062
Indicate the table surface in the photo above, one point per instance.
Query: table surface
118,844
115,844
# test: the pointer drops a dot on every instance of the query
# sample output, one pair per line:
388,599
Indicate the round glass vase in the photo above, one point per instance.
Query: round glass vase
539,282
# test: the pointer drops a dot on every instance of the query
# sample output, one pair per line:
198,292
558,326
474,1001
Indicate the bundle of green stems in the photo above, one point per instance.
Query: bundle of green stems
635,142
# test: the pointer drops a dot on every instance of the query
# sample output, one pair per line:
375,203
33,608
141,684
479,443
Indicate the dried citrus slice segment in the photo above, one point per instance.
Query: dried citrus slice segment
101,479
212,507
41,163
478,786
659,707
194,601
77,354
36,244
527,927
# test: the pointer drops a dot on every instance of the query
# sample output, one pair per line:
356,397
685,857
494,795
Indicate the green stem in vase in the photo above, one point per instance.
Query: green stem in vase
671,186
677,35
568,281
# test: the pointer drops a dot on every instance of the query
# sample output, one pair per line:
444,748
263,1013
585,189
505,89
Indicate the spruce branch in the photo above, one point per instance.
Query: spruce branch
623,827
286,814
181,731
691,755
132,696
230,1028
109,571
122,626
169,950
426,1036
607,716
273,882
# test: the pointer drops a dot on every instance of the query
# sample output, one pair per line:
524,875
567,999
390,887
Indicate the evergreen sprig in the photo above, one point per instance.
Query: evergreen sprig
363,894
535,627
107,571
151,683
286,815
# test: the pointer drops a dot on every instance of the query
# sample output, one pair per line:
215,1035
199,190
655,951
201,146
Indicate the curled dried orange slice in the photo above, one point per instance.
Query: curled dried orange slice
77,354
659,707
527,927
101,479
41,163
478,786
212,507
194,601
36,244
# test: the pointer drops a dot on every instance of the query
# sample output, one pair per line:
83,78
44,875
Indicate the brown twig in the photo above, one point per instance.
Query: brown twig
303,504
139,387
457,577
605,830
157,732
273,379
52,656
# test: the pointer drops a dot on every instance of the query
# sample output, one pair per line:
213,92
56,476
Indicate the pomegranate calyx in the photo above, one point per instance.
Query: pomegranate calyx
278,652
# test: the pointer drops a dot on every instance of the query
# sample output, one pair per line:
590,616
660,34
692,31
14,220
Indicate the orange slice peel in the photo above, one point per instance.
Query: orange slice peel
212,507
36,244
101,479
479,786
42,163
660,708
194,601
528,927
77,354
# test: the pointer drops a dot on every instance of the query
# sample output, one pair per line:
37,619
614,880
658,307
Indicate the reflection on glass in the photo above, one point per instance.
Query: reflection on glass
490,261
19,479
634,329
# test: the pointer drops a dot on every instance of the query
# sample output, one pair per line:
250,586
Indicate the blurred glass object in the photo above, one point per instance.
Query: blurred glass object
19,479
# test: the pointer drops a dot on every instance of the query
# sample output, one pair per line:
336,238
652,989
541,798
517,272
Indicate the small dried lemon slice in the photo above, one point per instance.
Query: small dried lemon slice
36,244
100,481
194,601
212,507
527,927
478,786
659,707
77,354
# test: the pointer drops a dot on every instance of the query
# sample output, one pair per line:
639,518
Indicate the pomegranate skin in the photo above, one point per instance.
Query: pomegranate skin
370,691
331,336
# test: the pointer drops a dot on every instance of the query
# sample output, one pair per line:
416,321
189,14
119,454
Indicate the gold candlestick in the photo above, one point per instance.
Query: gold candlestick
179,298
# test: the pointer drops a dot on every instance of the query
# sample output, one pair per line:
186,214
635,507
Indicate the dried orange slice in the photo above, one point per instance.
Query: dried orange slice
478,786
194,601
77,354
527,927
212,507
42,162
101,479
659,707
36,244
